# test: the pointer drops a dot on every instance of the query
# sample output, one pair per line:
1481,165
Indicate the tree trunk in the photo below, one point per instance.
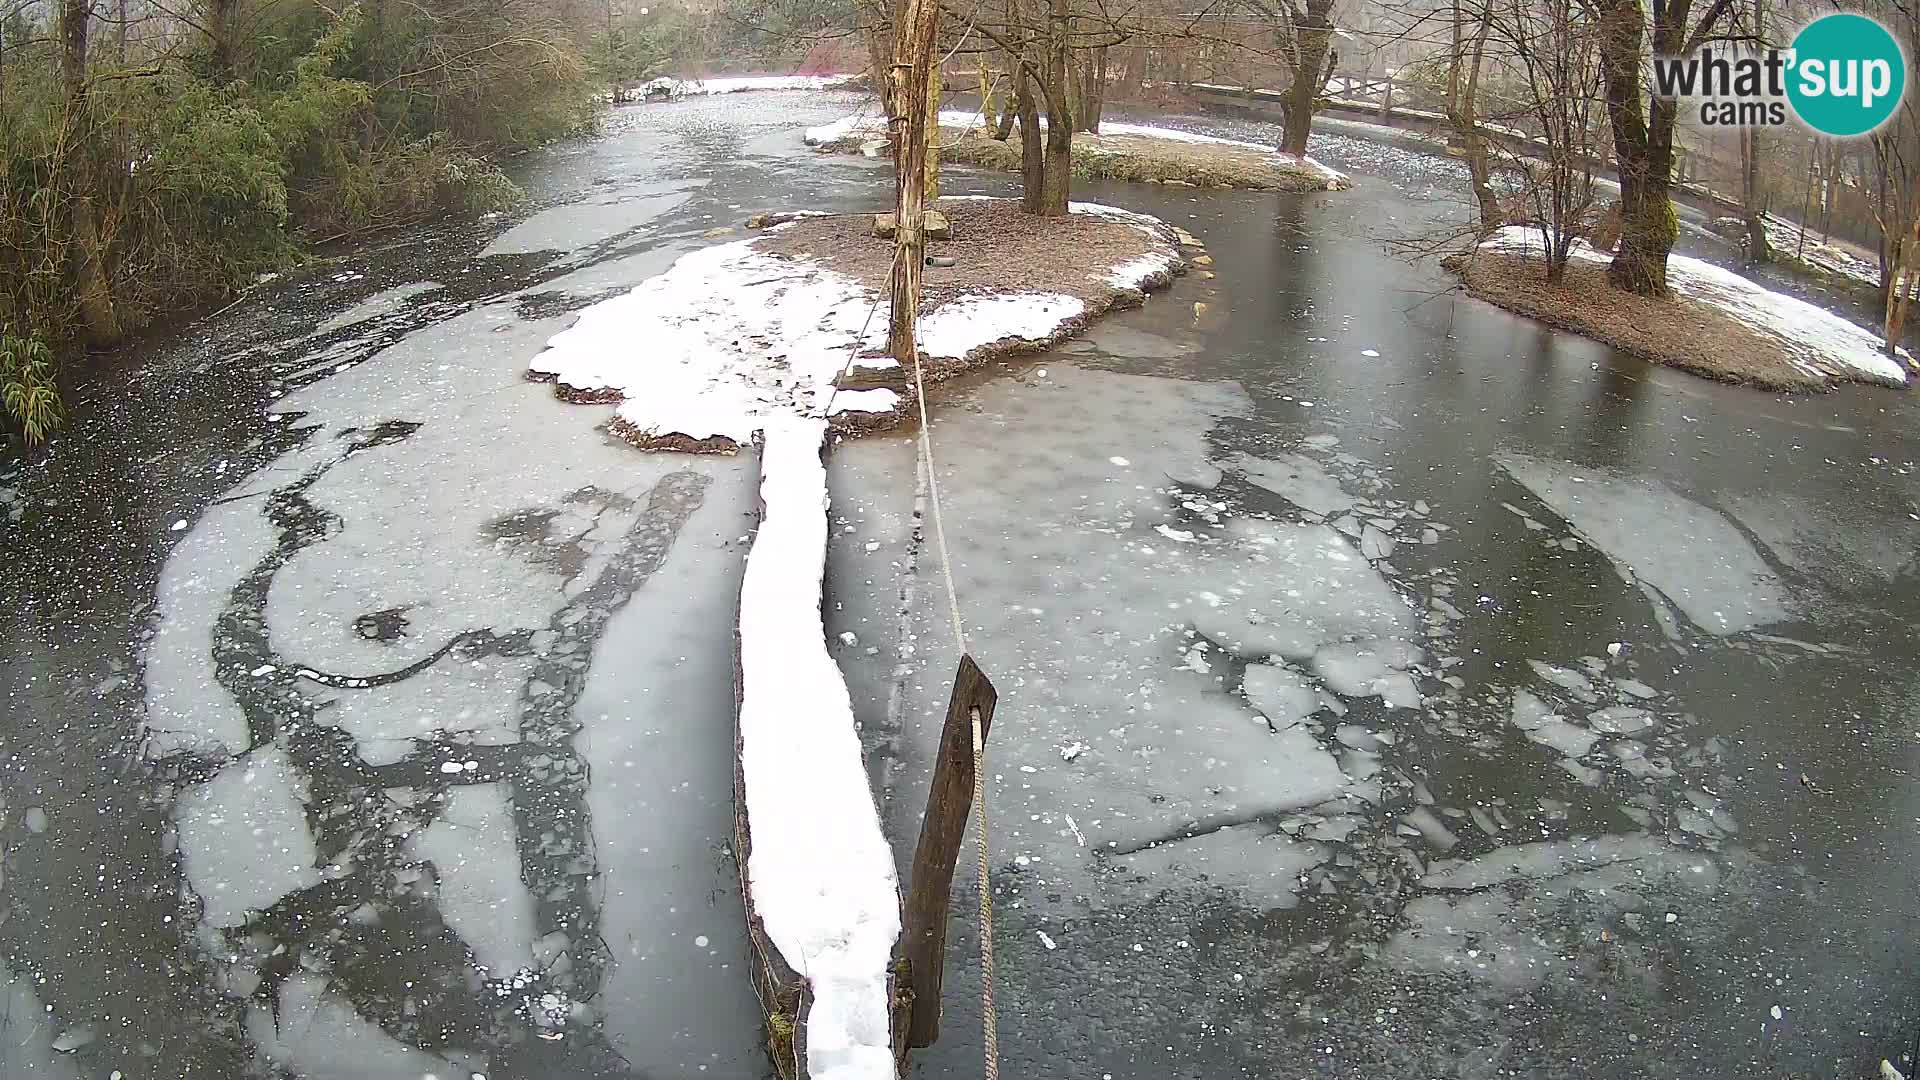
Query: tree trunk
220,32
1751,200
1133,72
1461,98
879,54
1644,159
1009,106
91,285
932,166
1033,164
1310,70
1057,167
908,83
1091,84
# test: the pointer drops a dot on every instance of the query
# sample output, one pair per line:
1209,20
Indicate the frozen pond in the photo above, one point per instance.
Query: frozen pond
1389,686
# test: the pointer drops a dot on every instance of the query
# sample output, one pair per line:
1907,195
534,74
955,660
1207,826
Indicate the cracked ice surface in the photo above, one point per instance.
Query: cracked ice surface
1692,557
1495,918
1088,616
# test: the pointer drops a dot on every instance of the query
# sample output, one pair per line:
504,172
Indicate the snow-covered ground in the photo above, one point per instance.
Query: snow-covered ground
864,123
1816,340
1788,238
729,337
820,873
736,84
724,339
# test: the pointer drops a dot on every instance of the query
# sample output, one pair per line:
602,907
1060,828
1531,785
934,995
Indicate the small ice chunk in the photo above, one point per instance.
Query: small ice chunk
1370,352
1635,688
178,526
450,768
263,669
1180,536
849,638
1072,750
1620,720
1529,711
1279,693
1120,461
1046,941
1431,829
1566,678
36,820
1483,820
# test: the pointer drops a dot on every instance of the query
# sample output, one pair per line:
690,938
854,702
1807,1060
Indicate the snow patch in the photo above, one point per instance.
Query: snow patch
1817,341
730,336
956,329
691,351
865,124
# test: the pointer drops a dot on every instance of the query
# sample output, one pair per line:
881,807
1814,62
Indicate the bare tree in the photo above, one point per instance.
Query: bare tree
1643,127
1463,92
1555,52
94,290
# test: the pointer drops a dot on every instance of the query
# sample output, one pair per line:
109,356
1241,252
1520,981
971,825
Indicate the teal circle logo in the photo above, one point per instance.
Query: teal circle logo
1848,75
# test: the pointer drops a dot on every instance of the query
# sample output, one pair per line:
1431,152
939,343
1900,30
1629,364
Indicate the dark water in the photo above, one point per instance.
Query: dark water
1728,579
368,713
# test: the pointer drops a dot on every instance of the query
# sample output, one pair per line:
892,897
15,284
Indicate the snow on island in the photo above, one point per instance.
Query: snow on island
702,356
1716,322
1121,150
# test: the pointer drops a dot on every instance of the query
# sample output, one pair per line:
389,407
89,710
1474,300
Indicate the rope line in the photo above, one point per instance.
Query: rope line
989,1020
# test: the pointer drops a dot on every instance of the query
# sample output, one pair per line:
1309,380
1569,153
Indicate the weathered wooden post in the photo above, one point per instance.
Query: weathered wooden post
942,827
919,25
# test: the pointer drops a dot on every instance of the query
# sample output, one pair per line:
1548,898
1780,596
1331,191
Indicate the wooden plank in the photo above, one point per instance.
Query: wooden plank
942,828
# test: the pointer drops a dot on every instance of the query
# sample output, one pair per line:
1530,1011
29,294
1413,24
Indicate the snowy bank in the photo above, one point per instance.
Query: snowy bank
702,356
1716,323
1119,151
819,871
736,84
